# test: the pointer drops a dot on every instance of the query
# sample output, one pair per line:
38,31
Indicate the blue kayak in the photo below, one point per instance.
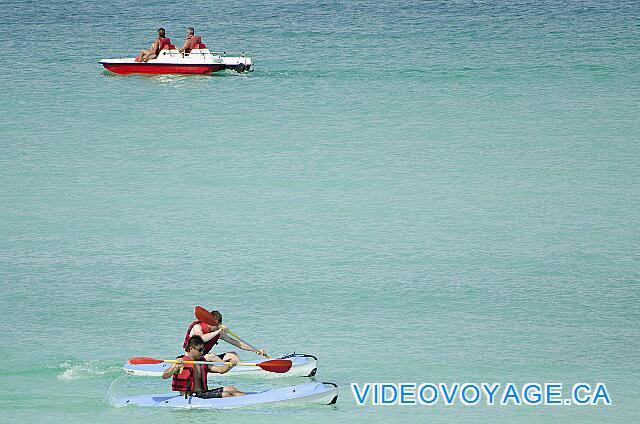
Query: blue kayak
302,366
316,393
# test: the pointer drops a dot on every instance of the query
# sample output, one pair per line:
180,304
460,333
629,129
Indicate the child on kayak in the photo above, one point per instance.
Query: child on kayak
210,335
191,379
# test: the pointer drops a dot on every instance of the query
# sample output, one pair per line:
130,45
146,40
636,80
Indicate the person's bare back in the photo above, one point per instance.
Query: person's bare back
156,46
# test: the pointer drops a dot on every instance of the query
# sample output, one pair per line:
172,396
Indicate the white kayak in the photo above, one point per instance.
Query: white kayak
317,393
302,366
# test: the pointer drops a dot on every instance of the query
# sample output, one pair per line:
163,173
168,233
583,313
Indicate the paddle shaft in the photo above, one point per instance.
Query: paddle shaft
240,340
175,361
273,365
205,316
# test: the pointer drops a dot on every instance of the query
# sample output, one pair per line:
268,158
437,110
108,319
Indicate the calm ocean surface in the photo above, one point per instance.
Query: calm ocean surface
412,191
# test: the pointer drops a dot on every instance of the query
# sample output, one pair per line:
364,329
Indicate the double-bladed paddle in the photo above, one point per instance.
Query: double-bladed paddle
273,365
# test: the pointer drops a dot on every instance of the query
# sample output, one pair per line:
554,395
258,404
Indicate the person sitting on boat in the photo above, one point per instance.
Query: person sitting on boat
158,44
191,379
190,41
210,335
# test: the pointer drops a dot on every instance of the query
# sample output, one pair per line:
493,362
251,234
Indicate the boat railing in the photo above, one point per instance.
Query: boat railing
222,54
241,54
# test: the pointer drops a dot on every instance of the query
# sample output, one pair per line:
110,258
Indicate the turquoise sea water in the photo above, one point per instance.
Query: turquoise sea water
412,191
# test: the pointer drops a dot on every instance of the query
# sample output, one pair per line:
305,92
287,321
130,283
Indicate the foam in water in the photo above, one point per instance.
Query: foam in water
83,370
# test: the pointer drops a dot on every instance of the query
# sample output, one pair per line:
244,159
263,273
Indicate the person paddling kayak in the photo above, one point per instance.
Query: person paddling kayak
191,379
211,335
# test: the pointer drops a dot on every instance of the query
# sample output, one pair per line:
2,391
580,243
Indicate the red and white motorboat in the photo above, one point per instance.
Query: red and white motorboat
170,61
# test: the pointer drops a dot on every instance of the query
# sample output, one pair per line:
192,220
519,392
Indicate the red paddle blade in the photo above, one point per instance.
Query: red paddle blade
142,360
205,316
276,365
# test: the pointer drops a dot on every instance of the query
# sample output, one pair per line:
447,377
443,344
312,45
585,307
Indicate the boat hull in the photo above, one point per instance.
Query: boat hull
316,393
198,61
160,68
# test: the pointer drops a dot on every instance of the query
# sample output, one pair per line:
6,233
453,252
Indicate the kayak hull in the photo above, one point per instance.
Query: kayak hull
301,394
302,366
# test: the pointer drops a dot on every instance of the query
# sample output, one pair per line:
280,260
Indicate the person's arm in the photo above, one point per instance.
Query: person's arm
197,331
186,45
222,369
173,369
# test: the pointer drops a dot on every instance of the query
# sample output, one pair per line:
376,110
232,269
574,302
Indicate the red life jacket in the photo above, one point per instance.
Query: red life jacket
184,381
206,328
194,40
163,42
